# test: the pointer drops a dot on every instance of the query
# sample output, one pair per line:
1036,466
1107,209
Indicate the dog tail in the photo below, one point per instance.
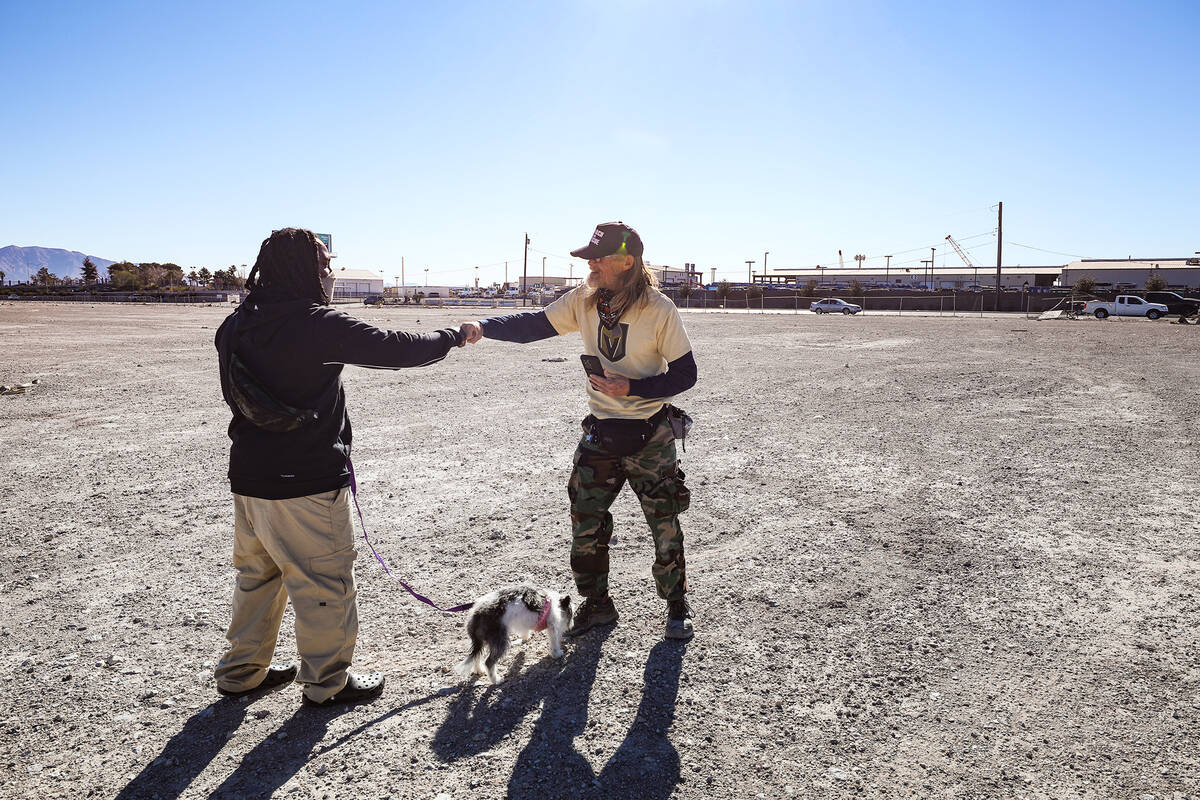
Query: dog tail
470,665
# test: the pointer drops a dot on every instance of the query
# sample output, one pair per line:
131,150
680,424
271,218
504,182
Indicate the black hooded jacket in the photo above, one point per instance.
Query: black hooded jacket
296,349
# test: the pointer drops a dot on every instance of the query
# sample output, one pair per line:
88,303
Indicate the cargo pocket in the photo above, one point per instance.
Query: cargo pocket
668,497
681,493
332,577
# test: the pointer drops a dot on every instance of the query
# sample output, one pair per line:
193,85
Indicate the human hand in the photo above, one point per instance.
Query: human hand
611,385
472,332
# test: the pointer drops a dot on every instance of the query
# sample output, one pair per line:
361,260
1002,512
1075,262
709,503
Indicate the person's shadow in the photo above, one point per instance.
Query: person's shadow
482,715
645,765
263,770
188,752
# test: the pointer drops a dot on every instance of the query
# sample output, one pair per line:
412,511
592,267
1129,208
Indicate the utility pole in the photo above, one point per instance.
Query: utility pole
402,274
932,251
543,274
506,276
714,272
477,277
887,268
525,276
749,273
999,248
860,258
767,253
926,261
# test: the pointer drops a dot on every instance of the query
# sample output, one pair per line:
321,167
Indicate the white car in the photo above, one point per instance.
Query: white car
833,305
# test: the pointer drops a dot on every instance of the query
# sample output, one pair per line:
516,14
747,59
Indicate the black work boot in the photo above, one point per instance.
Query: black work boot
679,620
592,611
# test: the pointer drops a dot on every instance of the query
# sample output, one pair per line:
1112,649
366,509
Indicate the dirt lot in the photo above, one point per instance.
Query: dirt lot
930,557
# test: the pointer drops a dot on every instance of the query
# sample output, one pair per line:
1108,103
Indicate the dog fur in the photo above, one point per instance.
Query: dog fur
511,610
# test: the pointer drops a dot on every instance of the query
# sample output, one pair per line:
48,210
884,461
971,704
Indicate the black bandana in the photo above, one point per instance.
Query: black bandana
608,317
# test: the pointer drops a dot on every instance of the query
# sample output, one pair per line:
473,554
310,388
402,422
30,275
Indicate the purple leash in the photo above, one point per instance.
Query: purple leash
425,600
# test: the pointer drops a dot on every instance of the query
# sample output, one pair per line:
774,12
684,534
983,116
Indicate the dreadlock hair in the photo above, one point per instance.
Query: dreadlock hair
635,282
288,264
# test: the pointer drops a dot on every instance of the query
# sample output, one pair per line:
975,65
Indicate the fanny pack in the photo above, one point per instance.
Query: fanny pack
624,437
249,397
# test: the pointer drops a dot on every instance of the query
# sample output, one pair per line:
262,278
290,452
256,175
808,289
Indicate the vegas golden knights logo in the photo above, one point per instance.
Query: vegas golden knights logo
612,340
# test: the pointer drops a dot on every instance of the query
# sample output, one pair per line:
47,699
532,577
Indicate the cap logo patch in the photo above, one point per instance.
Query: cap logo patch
597,236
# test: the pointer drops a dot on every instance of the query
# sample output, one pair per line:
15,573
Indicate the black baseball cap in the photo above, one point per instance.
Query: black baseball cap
610,238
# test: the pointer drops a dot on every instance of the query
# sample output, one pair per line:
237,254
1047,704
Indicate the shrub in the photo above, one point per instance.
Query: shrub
1085,285
1156,283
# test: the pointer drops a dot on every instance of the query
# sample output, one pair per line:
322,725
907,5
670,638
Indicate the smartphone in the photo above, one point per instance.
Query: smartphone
592,365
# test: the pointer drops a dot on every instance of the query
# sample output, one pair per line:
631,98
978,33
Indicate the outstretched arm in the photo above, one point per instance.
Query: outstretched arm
521,328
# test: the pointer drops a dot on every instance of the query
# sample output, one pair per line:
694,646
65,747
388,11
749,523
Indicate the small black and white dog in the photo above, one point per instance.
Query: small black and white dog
521,609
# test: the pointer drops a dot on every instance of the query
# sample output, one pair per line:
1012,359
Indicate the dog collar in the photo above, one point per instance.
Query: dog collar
541,623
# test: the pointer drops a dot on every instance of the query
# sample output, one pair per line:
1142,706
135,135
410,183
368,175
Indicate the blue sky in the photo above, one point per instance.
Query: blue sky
442,132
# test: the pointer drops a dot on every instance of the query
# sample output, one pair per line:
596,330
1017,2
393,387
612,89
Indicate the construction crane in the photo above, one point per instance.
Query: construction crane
961,253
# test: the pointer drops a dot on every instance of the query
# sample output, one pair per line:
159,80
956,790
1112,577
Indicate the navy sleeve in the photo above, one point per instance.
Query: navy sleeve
524,328
679,377
346,340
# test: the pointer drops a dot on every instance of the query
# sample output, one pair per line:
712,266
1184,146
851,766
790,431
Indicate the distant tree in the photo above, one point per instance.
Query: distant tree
723,290
44,277
753,292
205,276
2,273
172,274
810,289
124,279
151,274
1085,285
1156,283
89,270
193,277
856,288
128,268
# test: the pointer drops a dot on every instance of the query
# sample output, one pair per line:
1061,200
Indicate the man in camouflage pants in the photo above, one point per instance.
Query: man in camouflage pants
640,358
654,475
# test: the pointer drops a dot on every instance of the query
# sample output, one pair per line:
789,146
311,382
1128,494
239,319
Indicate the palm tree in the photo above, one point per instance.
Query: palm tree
1,277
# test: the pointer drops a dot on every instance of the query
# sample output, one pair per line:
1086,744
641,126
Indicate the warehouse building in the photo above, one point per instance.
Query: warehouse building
356,283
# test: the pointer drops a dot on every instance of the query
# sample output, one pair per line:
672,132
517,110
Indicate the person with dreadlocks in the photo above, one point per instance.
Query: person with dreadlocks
281,355
630,433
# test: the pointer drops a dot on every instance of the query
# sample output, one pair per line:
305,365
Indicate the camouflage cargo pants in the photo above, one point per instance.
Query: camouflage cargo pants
654,475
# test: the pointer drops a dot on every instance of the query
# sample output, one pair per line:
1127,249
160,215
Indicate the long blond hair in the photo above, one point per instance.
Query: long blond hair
637,280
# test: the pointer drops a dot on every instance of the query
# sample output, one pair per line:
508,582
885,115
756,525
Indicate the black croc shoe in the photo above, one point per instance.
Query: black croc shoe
358,689
276,676
591,612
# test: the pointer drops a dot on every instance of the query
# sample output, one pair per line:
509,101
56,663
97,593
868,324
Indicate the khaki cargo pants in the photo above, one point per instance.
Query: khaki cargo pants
302,548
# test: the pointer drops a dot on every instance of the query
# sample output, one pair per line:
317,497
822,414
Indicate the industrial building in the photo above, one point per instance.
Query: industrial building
356,283
1131,273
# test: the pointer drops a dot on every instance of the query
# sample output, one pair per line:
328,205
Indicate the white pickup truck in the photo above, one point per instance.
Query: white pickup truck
1126,305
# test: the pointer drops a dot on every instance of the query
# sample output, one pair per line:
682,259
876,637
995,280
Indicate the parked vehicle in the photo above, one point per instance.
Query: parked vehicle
834,305
1126,305
1184,306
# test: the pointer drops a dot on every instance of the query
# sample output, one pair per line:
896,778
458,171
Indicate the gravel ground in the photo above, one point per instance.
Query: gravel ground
930,557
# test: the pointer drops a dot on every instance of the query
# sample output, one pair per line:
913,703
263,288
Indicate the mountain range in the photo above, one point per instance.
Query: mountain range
22,263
